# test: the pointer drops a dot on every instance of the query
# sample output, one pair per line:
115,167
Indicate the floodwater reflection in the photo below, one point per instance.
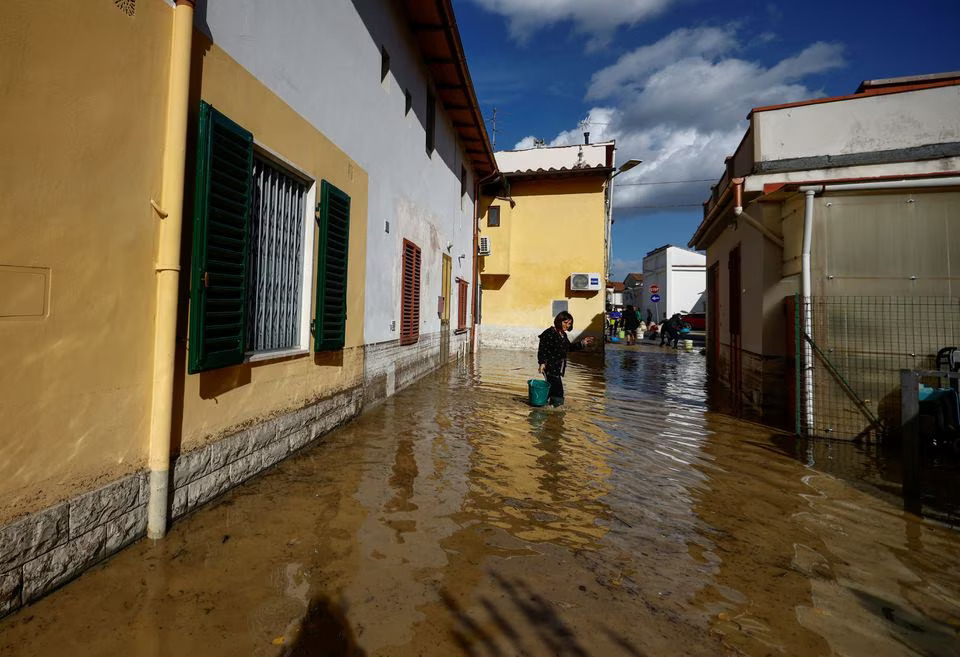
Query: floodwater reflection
455,519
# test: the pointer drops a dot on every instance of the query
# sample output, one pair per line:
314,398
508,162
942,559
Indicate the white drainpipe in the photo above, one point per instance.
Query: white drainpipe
805,288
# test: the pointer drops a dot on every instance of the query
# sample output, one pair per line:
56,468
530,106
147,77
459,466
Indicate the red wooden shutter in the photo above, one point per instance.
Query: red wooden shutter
410,301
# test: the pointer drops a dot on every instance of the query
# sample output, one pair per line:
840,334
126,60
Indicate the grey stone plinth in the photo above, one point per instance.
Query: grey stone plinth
34,535
124,530
97,507
62,564
230,449
275,452
262,435
207,488
190,467
244,468
10,585
181,502
300,438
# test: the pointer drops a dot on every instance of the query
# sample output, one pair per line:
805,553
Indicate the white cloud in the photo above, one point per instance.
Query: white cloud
597,18
680,105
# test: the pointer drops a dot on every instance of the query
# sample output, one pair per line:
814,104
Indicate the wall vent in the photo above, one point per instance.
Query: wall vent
129,7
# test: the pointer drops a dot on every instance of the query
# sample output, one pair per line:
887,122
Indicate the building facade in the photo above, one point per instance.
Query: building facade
218,246
679,278
837,218
543,243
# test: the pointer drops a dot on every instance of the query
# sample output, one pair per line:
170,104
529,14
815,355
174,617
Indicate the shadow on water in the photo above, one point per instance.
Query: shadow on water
523,609
324,632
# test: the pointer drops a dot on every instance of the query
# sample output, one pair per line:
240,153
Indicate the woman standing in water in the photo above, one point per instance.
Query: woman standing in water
552,353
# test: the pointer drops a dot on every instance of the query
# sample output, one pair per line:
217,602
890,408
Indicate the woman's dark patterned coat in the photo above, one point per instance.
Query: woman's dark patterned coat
554,345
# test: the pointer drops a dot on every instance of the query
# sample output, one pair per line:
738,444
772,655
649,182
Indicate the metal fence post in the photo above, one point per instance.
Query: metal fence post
797,363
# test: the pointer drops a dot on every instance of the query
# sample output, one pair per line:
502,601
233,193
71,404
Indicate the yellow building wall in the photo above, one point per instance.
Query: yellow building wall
555,228
81,128
82,121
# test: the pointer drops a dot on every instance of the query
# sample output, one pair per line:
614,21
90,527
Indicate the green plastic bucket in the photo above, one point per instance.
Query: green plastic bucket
538,392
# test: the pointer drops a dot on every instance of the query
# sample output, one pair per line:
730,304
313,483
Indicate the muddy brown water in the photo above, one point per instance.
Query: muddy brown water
454,519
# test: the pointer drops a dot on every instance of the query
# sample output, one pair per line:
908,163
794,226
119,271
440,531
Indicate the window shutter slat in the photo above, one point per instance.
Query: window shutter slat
410,294
330,321
221,227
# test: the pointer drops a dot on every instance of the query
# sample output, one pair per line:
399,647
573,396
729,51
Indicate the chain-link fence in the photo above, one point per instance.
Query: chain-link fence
848,374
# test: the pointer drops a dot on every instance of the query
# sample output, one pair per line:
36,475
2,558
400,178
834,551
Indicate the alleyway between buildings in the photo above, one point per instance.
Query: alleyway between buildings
455,519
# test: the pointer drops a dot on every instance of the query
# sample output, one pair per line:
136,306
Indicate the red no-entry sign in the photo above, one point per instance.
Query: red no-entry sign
654,288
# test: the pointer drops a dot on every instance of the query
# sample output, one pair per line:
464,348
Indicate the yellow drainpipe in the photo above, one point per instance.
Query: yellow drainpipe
168,268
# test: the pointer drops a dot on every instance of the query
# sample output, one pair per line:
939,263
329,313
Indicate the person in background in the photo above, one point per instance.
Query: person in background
552,354
631,320
671,331
649,317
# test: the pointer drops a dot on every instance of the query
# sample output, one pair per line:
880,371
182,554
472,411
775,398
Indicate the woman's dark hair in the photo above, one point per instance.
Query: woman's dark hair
561,317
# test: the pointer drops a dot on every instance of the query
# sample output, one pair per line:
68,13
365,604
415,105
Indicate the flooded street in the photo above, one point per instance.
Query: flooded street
454,519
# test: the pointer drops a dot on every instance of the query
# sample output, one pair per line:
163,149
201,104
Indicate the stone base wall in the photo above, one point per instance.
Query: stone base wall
46,549
517,338
389,367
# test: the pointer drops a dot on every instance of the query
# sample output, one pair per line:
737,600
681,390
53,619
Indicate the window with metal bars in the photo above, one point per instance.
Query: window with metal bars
410,296
250,264
461,304
275,279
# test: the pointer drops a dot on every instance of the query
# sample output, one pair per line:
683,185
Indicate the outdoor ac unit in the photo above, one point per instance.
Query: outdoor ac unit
580,281
484,248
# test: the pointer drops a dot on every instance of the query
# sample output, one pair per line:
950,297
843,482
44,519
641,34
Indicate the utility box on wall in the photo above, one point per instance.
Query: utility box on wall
585,281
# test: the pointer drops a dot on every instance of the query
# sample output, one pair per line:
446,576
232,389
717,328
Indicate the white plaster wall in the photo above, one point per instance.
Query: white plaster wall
517,338
323,59
681,276
553,157
858,125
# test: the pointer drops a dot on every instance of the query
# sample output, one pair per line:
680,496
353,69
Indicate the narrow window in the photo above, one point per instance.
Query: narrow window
384,63
461,304
330,318
430,121
493,216
463,181
410,297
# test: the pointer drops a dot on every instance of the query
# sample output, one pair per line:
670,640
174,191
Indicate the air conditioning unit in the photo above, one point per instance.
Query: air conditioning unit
581,281
484,247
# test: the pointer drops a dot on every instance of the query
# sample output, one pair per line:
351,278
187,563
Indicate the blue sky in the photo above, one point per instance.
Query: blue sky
673,80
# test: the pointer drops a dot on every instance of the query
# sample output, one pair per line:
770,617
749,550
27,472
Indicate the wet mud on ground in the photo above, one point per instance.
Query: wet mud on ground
454,519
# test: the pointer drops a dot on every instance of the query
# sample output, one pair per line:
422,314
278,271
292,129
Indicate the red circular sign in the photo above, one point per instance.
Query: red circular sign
654,288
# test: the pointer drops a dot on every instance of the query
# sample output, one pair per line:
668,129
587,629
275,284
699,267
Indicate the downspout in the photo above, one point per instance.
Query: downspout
476,259
168,268
805,290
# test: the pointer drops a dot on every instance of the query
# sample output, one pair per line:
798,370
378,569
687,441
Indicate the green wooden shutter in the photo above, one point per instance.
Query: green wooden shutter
221,234
333,218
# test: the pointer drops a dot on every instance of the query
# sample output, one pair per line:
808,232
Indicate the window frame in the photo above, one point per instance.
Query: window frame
411,267
491,211
217,132
308,235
